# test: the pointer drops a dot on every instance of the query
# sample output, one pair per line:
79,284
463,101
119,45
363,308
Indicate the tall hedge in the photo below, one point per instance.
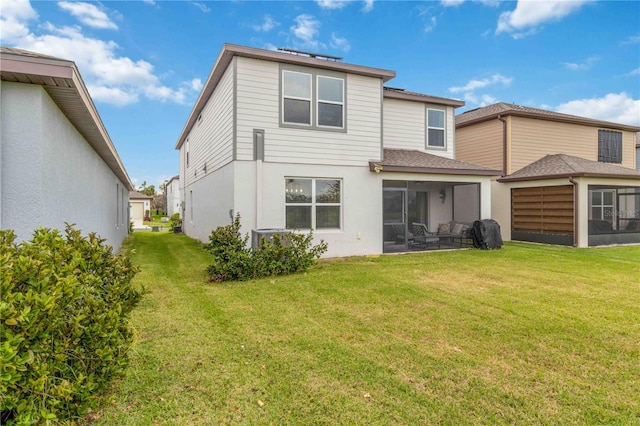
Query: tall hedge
65,333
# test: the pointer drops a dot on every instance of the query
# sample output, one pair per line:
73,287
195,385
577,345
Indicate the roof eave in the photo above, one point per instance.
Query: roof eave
567,175
230,50
379,168
90,122
567,119
423,98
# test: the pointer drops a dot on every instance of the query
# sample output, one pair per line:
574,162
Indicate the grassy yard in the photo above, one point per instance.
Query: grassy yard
528,334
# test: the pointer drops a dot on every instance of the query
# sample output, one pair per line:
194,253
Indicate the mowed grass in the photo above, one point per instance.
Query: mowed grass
528,334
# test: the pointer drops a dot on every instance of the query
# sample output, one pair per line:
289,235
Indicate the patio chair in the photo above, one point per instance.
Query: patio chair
422,237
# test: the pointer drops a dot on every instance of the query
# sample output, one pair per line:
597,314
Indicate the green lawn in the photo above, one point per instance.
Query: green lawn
527,334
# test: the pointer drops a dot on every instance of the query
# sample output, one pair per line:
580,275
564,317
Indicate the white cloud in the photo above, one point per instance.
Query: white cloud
631,40
430,25
196,84
88,14
634,72
267,24
368,6
451,3
331,4
306,29
473,85
529,15
614,107
588,63
468,91
110,78
203,7
340,43
14,20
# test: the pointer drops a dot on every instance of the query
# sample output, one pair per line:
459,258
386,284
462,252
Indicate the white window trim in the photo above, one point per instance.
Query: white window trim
318,101
444,129
313,204
310,99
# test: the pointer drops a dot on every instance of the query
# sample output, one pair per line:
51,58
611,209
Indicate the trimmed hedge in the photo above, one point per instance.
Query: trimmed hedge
233,260
65,332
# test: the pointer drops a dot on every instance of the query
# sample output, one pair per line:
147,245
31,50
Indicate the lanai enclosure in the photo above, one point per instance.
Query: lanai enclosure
421,188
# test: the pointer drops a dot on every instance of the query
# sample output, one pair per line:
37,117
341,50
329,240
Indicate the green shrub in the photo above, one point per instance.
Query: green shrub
233,260
176,221
65,332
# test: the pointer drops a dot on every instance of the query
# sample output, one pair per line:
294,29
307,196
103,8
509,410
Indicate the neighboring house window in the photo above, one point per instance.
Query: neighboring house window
609,146
315,101
296,97
313,203
330,101
602,205
435,128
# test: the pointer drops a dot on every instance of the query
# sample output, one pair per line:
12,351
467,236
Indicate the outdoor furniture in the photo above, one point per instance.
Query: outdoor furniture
422,237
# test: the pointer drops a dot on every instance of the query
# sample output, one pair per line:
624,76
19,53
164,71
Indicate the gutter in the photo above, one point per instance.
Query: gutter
575,211
504,145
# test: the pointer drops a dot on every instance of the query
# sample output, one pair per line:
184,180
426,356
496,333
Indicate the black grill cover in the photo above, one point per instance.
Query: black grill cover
486,234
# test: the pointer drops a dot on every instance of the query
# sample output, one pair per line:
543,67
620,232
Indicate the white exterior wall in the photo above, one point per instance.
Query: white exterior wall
51,175
209,203
405,126
173,197
210,140
258,103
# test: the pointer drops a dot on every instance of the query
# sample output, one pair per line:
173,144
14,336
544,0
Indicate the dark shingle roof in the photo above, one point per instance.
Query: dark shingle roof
562,165
135,195
504,109
414,161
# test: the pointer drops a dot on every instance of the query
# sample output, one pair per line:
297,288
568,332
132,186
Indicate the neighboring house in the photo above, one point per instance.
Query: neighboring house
566,179
57,162
172,192
140,205
294,140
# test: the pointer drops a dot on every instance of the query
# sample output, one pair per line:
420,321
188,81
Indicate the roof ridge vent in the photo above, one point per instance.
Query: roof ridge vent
310,54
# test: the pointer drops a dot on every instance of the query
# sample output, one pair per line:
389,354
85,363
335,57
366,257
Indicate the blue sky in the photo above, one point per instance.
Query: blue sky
144,62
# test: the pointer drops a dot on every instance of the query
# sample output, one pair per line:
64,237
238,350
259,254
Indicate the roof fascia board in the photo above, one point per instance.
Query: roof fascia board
375,167
568,119
426,99
567,175
36,66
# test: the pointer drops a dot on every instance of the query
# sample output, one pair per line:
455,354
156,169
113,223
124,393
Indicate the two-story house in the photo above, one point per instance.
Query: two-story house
172,194
301,141
566,179
58,163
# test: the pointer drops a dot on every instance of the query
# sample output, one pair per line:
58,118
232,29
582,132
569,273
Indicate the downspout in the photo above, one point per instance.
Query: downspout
504,145
575,211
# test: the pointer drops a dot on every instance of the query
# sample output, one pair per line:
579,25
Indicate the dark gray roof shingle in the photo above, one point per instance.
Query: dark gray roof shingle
563,165
406,160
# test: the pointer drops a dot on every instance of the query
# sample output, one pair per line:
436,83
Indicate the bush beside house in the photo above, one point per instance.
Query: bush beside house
233,260
64,317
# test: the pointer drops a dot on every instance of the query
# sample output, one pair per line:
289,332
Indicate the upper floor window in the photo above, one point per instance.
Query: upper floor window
296,97
330,101
186,152
314,100
609,146
435,128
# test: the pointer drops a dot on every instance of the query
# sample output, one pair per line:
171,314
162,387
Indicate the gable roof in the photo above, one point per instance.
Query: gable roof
414,161
502,109
135,195
61,80
229,51
563,165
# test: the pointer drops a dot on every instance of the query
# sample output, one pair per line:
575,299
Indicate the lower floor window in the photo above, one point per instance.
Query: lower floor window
313,203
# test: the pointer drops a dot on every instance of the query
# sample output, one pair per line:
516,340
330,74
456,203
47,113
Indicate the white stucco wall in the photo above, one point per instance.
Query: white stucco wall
173,197
50,174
